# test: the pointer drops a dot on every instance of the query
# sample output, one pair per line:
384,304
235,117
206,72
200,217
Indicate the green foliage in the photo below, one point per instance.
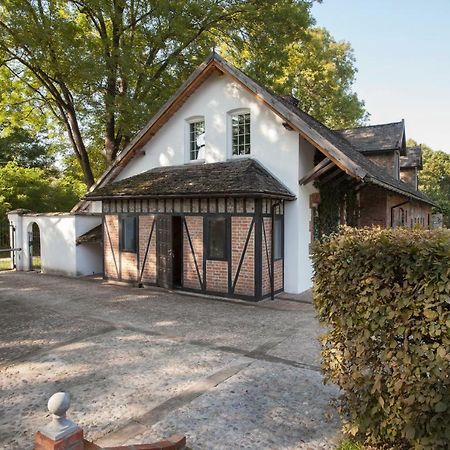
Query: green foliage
349,445
32,188
312,66
98,69
434,179
384,297
334,200
25,149
321,73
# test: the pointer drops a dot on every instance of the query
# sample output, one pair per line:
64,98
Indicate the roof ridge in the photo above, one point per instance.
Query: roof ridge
368,126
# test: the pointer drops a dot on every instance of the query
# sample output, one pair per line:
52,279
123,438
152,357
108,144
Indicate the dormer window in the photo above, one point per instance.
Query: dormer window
240,134
197,140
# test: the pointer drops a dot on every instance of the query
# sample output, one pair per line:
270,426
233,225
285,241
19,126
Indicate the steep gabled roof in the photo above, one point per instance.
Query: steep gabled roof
235,178
332,144
377,138
412,159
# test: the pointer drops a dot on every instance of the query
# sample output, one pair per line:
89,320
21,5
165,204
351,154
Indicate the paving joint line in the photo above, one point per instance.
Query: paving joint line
142,423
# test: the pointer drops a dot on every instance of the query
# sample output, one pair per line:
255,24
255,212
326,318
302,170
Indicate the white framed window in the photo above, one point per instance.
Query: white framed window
196,139
240,133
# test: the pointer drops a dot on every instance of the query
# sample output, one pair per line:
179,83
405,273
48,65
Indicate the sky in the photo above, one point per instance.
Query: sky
402,51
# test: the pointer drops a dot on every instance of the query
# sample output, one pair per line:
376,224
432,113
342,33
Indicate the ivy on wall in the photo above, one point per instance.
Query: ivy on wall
336,200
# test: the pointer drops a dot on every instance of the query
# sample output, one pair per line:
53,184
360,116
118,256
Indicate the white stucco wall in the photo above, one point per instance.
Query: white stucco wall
59,252
277,148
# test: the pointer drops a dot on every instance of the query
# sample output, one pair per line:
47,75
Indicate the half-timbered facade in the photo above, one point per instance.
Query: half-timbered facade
205,229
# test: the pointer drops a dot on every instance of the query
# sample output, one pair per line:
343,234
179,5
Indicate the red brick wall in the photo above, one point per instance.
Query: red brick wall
239,230
414,213
266,255
409,175
266,261
149,270
217,276
129,270
278,274
372,202
387,161
111,247
195,227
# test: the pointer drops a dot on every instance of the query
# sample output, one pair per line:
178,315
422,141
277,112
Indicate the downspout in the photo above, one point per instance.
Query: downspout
392,211
272,247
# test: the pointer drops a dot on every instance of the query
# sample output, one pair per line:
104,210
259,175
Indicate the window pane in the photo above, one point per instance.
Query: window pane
217,234
241,134
278,238
129,234
196,130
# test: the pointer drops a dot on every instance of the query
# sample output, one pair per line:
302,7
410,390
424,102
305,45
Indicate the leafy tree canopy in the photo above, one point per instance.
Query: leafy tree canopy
318,70
98,69
32,188
434,178
26,149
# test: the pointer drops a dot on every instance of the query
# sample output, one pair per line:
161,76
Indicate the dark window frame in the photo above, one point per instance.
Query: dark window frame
279,219
226,245
122,218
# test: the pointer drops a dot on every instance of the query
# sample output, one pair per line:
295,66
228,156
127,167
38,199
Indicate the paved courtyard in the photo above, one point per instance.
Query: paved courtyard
142,364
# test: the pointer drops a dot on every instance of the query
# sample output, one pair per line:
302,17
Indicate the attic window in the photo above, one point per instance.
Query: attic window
197,140
240,130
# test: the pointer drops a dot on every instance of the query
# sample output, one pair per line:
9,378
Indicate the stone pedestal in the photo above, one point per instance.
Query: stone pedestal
60,433
73,441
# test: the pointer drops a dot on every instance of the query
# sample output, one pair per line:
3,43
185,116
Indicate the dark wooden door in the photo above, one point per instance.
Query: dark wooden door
164,251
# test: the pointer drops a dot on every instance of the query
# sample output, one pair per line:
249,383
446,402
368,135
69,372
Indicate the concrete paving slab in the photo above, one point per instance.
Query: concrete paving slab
264,406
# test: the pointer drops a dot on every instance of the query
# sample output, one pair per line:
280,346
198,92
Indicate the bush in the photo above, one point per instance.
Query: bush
384,297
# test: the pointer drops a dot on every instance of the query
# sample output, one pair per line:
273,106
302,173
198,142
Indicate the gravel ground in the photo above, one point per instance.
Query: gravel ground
142,364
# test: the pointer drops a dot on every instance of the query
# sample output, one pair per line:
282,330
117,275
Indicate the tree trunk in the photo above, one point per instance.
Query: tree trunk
79,147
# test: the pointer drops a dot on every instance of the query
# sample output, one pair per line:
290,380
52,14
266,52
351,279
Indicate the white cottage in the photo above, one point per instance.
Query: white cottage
218,193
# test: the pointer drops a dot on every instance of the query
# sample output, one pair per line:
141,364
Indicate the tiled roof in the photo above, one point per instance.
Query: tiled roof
239,177
94,235
376,138
374,173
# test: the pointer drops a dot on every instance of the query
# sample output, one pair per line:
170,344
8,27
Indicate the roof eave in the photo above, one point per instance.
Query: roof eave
397,190
272,195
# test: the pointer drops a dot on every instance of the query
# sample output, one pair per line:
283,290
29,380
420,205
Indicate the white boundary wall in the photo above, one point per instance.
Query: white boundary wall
58,235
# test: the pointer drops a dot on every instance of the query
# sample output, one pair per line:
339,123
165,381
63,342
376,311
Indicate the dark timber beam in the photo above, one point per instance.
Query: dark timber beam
324,166
331,175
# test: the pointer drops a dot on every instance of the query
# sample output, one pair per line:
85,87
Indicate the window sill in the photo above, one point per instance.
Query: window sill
196,161
241,156
133,252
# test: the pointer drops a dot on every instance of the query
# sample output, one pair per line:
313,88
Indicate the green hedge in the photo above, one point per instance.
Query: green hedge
384,297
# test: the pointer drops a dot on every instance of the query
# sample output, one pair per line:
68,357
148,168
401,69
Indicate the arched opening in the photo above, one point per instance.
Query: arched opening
34,241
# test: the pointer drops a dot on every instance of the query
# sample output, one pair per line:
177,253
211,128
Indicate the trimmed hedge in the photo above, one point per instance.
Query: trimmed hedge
384,297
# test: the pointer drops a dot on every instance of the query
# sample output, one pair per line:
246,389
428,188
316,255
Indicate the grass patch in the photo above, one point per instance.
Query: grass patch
5,262
349,445
36,262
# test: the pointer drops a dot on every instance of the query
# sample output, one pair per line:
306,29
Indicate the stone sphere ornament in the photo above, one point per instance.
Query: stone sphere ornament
59,427
59,403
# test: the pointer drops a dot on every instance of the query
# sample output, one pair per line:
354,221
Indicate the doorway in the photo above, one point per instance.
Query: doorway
169,250
34,240
177,242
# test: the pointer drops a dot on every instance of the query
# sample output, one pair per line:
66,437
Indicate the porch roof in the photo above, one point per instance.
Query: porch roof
93,236
243,177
